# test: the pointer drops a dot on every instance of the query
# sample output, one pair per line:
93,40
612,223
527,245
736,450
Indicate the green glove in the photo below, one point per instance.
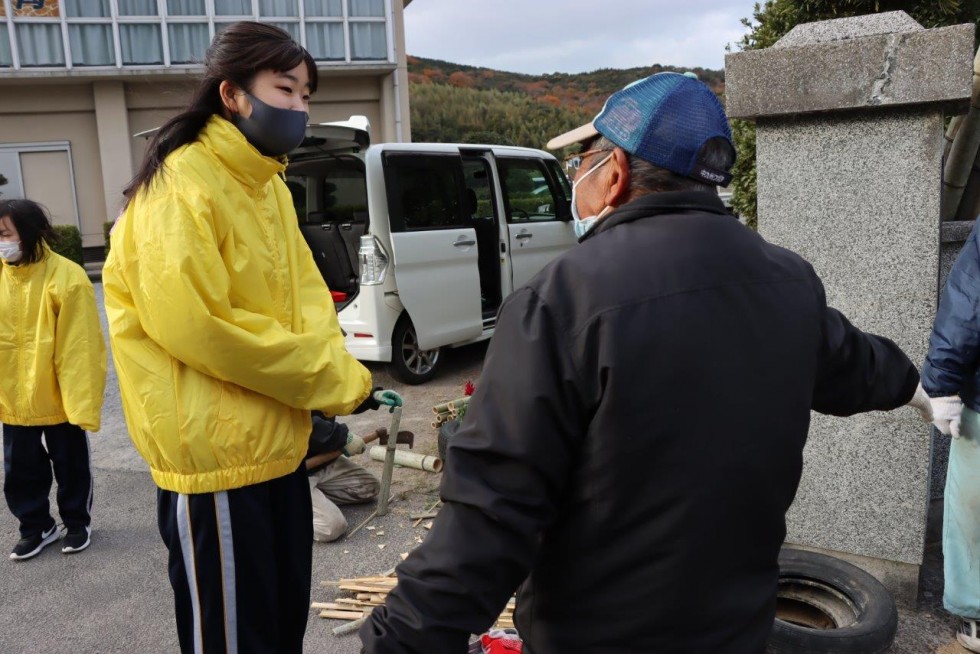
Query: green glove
388,398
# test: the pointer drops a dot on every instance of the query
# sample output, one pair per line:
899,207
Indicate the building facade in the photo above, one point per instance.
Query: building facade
80,78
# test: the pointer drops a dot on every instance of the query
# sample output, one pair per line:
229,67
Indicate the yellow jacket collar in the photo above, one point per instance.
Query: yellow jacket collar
245,163
24,271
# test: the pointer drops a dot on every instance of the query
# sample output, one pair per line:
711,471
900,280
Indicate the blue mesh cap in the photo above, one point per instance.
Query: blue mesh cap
665,119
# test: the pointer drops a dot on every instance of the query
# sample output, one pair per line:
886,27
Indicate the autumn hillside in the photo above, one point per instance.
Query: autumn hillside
465,104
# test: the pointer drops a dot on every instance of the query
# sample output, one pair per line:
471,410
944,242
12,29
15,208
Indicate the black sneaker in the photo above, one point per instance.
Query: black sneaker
30,546
76,539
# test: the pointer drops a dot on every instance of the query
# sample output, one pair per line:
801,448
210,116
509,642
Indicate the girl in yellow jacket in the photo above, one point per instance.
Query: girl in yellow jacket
224,338
53,364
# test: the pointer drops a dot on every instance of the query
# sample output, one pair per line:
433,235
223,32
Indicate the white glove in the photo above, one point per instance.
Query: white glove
355,445
922,403
946,413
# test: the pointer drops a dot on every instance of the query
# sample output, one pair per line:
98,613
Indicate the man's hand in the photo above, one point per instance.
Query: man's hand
355,445
946,414
922,403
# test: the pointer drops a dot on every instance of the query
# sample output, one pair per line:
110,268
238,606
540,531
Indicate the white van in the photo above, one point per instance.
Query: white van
420,243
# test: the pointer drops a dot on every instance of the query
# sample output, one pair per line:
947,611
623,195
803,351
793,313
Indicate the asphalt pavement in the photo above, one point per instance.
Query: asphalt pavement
116,597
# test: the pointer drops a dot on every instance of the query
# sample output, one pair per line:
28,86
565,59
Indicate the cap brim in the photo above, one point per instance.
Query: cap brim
577,135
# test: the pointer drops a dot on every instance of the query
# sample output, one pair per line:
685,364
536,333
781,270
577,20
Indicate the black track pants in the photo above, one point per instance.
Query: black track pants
27,469
240,565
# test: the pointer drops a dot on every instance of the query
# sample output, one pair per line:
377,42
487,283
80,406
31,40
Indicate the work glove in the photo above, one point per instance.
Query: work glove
355,445
387,398
922,403
379,398
946,413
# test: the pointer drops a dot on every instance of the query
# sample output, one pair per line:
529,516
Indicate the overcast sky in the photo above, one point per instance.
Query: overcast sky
571,36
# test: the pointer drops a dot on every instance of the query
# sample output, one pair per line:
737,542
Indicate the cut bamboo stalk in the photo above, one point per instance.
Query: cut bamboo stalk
350,627
409,459
445,406
364,588
970,200
341,615
962,151
954,126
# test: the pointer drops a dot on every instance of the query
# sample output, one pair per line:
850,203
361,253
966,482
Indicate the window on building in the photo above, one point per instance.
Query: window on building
141,43
188,42
367,8
368,40
325,41
186,8
273,8
91,45
232,7
40,44
87,8
104,33
6,59
323,8
137,7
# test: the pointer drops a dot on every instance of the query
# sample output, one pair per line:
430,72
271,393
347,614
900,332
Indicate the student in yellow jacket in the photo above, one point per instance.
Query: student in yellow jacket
52,379
225,338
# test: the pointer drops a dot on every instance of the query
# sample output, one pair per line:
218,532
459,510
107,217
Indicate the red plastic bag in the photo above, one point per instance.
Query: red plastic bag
501,641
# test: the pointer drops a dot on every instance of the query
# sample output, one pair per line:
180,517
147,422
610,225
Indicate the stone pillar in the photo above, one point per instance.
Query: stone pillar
849,115
112,122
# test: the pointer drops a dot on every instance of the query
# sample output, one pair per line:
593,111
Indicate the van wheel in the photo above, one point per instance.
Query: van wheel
409,363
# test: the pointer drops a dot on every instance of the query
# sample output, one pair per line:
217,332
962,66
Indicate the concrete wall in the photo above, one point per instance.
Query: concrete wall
42,114
849,117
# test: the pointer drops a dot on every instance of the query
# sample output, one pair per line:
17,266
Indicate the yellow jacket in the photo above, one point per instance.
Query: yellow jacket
223,332
52,356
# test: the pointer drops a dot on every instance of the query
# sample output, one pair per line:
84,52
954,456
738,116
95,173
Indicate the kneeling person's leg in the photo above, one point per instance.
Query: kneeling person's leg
345,482
329,523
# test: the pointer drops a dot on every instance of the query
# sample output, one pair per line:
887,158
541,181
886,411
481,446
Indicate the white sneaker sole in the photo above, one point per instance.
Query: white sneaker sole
83,546
45,541
972,644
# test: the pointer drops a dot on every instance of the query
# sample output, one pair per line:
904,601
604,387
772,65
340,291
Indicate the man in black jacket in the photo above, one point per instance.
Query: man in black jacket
637,435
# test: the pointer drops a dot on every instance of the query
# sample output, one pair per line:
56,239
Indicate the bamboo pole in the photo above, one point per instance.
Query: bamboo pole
970,201
962,151
954,127
408,459
444,407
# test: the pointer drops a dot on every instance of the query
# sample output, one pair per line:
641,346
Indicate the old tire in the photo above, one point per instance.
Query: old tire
446,432
409,363
826,605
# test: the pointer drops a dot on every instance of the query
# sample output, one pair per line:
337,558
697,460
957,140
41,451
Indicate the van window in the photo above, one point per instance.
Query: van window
330,190
345,195
424,191
528,193
564,186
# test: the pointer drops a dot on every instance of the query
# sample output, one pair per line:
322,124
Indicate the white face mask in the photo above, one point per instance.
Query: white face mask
10,251
583,225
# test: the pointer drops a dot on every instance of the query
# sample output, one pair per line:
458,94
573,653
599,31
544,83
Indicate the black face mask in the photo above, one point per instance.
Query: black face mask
273,131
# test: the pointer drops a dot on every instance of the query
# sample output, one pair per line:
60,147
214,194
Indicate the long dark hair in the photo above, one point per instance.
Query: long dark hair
237,54
33,226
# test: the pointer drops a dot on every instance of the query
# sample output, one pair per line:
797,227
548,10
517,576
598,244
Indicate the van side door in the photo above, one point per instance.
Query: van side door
536,209
435,248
